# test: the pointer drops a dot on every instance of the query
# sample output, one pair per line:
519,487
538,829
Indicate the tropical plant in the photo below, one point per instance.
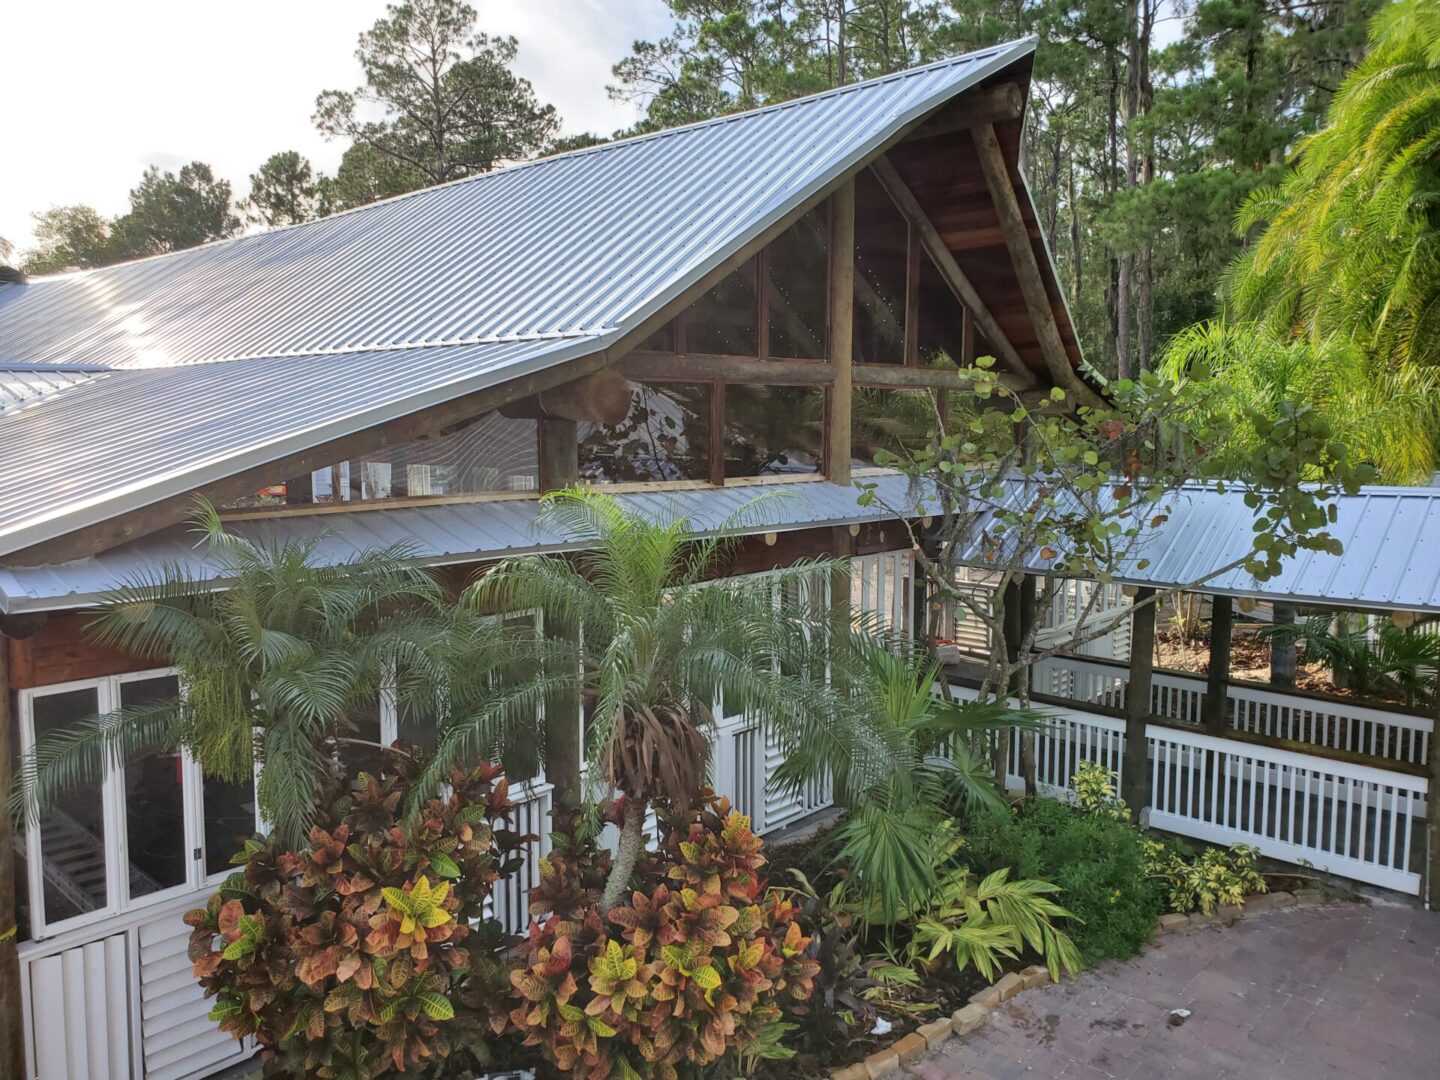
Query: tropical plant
982,923
651,642
1388,416
1097,860
278,666
904,758
1351,240
1095,792
367,951
697,967
1398,660
1216,876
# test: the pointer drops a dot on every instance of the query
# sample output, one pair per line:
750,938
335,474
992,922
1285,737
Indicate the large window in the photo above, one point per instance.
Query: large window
881,254
896,421
773,430
665,436
152,828
798,264
724,319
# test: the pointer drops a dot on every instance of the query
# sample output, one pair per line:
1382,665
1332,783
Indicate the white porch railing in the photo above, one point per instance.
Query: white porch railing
1333,723
1358,821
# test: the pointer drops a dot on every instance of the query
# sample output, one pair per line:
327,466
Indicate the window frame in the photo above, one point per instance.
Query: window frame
118,901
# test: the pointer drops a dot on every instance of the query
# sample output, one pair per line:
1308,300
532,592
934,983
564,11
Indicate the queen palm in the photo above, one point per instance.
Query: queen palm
278,657
1351,243
651,641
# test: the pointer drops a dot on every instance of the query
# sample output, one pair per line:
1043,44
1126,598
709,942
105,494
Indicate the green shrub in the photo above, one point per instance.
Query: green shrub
1215,876
1097,859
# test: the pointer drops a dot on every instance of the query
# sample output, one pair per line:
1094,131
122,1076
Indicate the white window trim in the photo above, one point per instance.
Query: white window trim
116,835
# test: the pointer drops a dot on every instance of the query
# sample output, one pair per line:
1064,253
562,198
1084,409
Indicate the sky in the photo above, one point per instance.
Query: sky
96,90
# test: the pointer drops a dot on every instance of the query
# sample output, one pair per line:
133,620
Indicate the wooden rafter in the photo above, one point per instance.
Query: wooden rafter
1027,268
950,271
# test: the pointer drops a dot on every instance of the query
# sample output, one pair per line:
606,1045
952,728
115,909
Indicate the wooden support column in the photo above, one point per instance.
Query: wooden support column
1217,679
1135,779
842,326
1020,683
559,454
1282,653
12,1034
1432,813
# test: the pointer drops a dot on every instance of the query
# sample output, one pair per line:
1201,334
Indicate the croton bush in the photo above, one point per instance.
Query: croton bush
701,965
367,952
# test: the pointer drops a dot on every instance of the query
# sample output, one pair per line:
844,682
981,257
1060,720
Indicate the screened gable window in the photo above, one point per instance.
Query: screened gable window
881,251
896,421
798,278
941,334
725,318
665,436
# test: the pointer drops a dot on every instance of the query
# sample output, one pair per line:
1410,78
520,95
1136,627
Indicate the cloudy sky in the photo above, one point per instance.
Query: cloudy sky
97,90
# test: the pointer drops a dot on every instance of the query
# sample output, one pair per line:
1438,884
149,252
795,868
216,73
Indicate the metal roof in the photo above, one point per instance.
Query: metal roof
1391,539
21,386
440,534
564,254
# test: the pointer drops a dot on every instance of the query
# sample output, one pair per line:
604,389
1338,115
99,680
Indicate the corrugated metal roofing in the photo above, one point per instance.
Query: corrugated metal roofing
578,243
24,386
447,533
1390,560
1391,539
134,437
519,268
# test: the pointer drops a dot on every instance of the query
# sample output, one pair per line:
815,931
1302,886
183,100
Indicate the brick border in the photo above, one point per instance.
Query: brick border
975,1015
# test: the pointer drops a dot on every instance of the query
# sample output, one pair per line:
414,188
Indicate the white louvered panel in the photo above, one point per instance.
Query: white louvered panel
178,1040
79,1001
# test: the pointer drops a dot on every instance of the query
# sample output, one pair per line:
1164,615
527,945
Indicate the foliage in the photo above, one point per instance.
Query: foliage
902,759
367,951
1096,859
284,191
695,968
982,923
1401,660
278,668
1095,793
452,105
1387,416
662,644
1216,876
1351,236
167,212
1084,489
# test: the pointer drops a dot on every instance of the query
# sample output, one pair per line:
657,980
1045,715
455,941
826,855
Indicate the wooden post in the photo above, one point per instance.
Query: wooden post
1282,653
842,325
12,1033
1024,598
559,454
1217,679
1432,812
1135,779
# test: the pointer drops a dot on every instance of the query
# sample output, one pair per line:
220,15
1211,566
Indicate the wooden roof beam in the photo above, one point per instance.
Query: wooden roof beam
1027,269
992,105
944,261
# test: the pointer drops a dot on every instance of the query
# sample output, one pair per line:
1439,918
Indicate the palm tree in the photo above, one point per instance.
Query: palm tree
905,760
1401,660
651,641
1387,416
277,664
1351,244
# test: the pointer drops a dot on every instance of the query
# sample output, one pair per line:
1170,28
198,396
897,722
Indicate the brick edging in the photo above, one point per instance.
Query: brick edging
976,1014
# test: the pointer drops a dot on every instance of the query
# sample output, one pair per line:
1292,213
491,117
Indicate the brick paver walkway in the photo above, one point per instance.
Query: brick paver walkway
1299,994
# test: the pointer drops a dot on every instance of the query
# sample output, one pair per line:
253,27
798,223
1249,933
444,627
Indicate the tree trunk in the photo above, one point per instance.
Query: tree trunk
12,1037
627,855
